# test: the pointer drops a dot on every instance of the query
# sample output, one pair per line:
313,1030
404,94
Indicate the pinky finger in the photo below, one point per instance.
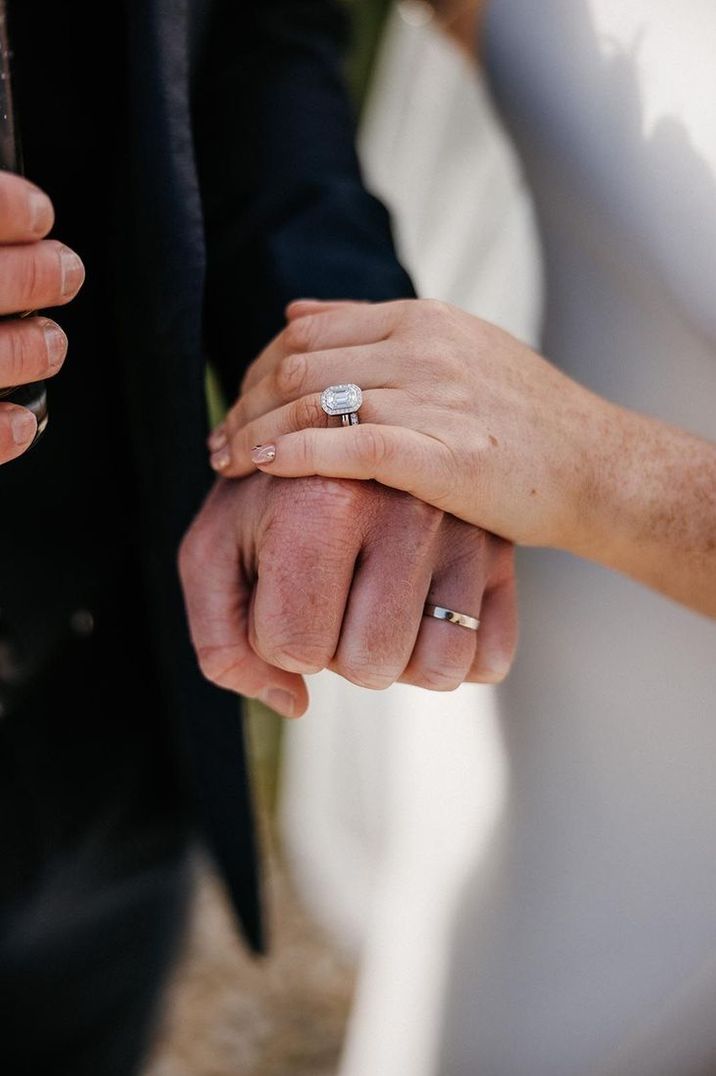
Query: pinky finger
497,634
394,455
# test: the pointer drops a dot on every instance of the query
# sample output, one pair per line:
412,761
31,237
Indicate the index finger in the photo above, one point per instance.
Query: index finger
315,326
393,455
26,212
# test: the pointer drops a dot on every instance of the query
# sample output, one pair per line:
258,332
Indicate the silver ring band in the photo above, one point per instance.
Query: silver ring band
343,400
440,613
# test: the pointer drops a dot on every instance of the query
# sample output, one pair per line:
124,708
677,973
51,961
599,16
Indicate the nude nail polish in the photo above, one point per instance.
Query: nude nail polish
220,460
217,439
263,454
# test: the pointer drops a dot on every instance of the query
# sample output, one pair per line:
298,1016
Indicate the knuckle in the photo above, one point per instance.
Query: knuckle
307,412
221,665
371,446
304,450
15,353
466,545
362,669
340,498
439,678
432,310
299,335
33,276
369,678
300,652
290,375
424,517
406,313
314,509
419,522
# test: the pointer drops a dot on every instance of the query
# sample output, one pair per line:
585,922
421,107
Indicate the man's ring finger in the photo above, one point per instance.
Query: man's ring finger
452,616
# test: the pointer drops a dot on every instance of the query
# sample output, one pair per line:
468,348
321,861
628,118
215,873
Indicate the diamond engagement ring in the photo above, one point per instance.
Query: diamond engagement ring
343,400
451,616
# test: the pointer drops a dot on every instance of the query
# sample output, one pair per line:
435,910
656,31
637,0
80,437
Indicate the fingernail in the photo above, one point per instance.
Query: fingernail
55,342
40,212
23,425
495,670
73,271
221,459
263,454
279,700
217,439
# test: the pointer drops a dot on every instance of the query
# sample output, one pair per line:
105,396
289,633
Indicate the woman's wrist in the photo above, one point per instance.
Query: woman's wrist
650,511
557,474
596,477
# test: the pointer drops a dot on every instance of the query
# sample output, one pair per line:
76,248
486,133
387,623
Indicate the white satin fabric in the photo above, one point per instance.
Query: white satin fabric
530,875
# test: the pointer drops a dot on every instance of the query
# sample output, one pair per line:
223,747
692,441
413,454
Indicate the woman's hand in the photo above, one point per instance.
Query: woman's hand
463,416
34,273
455,411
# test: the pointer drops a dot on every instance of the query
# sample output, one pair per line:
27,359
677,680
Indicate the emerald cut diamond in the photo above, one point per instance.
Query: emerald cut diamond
341,399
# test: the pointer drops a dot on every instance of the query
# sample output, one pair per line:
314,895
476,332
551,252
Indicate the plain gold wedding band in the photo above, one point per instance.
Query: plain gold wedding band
452,617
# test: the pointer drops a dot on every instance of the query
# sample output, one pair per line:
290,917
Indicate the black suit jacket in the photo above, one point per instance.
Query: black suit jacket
237,190
243,193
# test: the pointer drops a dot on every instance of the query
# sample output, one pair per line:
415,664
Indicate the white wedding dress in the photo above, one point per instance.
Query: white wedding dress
530,874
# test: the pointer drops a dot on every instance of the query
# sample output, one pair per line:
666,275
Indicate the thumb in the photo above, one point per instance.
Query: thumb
218,596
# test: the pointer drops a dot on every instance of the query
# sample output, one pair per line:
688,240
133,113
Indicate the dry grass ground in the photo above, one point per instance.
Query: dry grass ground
230,1015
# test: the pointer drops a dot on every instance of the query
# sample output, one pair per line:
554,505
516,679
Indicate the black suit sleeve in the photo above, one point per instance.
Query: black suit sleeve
286,211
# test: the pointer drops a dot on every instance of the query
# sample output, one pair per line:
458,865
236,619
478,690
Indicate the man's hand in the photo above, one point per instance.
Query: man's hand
285,577
34,273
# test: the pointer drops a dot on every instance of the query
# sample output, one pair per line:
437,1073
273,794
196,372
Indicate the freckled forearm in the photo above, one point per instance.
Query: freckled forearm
655,509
